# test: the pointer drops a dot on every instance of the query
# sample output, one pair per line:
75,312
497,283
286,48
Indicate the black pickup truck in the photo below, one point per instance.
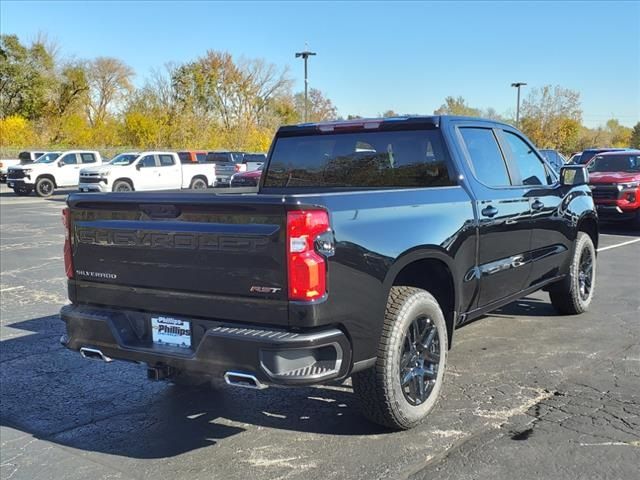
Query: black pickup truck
367,244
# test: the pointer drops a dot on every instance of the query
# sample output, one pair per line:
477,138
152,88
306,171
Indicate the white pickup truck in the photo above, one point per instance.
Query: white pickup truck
50,171
23,159
146,171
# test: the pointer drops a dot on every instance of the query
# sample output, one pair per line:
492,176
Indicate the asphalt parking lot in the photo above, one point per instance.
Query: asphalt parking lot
528,394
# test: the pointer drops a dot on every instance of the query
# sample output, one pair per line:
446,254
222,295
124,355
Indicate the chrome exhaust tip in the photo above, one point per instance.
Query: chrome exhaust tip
244,380
94,354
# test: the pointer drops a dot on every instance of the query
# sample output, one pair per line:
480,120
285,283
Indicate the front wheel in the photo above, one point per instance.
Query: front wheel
573,294
45,187
405,383
122,186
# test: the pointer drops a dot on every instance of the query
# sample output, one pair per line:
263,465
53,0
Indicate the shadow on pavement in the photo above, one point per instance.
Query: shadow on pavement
621,229
56,395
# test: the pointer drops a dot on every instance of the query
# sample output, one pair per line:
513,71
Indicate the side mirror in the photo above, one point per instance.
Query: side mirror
60,163
138,166
574,175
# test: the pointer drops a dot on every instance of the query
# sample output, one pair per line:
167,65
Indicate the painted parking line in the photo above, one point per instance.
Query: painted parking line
619,245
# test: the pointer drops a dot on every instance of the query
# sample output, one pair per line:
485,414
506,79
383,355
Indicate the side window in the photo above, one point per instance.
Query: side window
185,157
88,158
70,159
147,161
166,160
201,157
532,171
486,158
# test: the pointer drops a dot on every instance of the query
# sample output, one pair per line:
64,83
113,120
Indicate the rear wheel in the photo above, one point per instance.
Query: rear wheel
45,187
198,184
122,186
405,383
573,295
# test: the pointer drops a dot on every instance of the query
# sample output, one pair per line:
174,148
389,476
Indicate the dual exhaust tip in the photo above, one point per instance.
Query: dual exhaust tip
235,379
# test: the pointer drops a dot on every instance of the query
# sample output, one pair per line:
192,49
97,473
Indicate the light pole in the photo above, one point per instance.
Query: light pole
518,85
305,56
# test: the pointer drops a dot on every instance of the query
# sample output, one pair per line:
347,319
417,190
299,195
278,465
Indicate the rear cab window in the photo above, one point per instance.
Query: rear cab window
166,160
404,158
88,158
487,162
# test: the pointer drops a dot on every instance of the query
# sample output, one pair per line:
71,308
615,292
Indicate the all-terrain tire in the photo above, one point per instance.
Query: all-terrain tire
198,184
573,294
382,397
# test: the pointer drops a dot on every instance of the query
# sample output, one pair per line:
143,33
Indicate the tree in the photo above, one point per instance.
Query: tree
390,114
551,117
26,75
457,106
620,135
109,82
634,141
319,107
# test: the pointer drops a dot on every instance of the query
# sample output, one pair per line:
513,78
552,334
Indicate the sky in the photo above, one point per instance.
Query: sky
373,56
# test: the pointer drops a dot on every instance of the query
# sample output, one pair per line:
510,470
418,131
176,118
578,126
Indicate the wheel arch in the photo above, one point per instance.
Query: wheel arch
588,224
48,176
123,179
410,269
199,176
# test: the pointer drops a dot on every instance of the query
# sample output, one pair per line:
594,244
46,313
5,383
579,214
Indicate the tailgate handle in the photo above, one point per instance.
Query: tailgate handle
161,211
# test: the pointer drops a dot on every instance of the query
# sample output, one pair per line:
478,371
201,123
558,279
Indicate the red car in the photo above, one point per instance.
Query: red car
614,178
247,179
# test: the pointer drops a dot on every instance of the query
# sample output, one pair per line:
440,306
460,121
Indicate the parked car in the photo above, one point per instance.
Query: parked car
614,178
251,161
247,179
345,263
50,171
587,155
23,159
225,165
554,158
145,171
5,164
192,156
575,159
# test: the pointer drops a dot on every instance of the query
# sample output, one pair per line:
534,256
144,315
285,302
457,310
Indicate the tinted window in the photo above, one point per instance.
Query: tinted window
88,158
70,159
166,160
254,157
201,157
487,161
392,159
37,155
532,171
147,161
219,157
185,157
615,163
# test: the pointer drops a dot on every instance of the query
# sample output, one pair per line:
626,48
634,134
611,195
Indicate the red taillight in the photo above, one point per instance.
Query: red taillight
68,259
307,268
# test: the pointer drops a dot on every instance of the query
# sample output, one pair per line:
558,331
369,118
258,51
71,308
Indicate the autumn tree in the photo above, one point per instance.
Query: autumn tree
319,107
109,82
634,141
551,117
457,106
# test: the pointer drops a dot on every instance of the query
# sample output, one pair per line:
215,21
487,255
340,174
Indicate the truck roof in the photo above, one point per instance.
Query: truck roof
382,123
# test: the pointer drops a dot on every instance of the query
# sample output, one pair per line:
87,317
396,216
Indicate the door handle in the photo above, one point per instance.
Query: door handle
489,211
537,205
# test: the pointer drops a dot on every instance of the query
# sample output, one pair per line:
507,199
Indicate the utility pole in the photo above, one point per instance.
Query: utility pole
518,85
305,56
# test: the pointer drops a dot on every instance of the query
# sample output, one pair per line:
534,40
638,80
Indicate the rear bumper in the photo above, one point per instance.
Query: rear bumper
274,356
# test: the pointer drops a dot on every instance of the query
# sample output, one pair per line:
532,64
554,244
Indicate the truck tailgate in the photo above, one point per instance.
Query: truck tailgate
196,244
